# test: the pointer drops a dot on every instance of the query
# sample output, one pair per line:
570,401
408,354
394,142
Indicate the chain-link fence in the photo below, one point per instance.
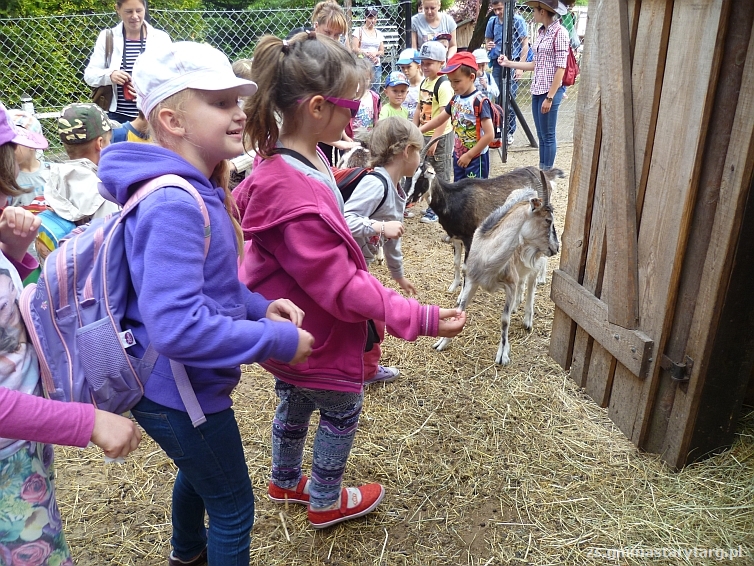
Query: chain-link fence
43,58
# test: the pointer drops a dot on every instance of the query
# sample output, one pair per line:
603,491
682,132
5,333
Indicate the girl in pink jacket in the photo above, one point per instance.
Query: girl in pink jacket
300,247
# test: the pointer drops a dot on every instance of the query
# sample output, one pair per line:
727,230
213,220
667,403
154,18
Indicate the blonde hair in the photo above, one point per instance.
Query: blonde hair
220,176
390,137
329,13
289,72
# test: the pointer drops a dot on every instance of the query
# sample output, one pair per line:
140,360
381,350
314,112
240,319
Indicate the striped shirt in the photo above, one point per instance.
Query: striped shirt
132,50
550,51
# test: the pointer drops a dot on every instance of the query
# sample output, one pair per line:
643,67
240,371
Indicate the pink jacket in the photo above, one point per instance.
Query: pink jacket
300,248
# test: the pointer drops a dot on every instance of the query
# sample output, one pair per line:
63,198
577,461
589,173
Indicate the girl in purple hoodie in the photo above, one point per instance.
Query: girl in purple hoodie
191,307
301,247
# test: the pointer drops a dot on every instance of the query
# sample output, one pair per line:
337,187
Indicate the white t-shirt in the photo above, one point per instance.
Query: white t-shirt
425,32
369,43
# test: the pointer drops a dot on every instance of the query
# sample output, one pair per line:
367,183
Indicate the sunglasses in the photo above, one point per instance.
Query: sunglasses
352,105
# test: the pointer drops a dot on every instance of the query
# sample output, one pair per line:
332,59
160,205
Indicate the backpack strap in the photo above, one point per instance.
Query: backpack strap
438,83
186,391
384,187
170,181
294,154
478,100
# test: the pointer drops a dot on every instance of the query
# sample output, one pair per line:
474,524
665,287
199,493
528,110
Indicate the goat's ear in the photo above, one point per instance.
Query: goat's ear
536,204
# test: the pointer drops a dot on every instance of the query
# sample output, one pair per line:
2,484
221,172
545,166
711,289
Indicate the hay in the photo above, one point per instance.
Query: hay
483,465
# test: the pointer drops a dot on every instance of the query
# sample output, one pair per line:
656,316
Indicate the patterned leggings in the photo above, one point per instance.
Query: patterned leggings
338,420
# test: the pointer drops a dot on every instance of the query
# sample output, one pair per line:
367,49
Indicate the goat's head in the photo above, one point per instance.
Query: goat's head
424,176
538,231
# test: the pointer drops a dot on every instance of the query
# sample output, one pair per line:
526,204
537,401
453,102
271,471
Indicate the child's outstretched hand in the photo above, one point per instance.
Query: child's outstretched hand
116,435
18,228
285,310
407,286
304,350
451,322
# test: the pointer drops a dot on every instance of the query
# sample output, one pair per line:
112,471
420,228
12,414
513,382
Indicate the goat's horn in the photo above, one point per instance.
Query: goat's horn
425,149
545,187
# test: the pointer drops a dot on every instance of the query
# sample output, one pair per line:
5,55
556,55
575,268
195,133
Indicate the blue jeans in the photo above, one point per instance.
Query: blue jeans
212,475
545,124
478,168
497,75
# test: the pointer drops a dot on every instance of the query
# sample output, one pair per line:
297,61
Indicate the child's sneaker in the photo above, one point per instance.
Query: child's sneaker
298,495
510,140
429,216
384,375
354,502
200,560
408,214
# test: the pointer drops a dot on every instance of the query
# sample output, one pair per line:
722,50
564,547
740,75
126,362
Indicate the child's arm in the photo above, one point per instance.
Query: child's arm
362,204
28,417
394,261
484,141
437,124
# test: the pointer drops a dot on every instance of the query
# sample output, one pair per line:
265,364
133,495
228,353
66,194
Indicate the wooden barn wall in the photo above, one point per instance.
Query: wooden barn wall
660,175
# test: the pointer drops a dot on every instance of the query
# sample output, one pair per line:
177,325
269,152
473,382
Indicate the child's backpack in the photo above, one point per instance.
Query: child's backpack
438,83
348,179
497,120
73,315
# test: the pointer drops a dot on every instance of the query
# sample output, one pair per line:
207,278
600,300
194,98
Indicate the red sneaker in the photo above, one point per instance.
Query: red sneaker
371,495
280,495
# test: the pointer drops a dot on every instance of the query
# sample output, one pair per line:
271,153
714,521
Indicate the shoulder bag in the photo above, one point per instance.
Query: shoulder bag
102,96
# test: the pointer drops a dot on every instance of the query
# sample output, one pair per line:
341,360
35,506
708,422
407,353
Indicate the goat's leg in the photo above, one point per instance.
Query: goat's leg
503,350
380,257
531,287
457,248
541,270
464,299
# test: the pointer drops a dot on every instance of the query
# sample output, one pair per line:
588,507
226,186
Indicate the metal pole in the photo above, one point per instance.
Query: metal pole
407,22
524,124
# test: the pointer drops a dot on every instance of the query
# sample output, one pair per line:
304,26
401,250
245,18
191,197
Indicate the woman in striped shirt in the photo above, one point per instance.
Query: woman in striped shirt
130,38
551,45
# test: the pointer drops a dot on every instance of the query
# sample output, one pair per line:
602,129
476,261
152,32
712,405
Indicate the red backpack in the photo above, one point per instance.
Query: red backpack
348,179
497,120
572,67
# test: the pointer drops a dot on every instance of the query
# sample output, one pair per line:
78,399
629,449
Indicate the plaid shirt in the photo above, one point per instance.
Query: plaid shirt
550,51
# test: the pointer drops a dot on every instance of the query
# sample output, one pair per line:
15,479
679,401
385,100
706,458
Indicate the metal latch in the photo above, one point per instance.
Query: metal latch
680,372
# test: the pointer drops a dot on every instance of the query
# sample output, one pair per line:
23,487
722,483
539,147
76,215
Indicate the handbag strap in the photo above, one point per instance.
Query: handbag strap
108,47
141,43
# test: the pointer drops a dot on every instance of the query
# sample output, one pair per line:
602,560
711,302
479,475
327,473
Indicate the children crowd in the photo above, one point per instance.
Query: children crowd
303,305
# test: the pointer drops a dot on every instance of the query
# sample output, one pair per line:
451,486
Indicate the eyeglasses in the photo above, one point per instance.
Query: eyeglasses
352,105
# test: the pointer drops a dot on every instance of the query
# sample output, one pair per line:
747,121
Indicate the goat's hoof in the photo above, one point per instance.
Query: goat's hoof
441,344
446,239
502,360
528,326
541,280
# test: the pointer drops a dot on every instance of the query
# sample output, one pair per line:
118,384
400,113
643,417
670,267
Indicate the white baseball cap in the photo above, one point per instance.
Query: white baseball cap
434,51
481,56
162,72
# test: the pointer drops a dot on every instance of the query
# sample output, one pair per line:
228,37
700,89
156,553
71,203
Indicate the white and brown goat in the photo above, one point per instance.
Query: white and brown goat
461,207
507,252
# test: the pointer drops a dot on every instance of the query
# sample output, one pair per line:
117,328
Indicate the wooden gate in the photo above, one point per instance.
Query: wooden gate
654,313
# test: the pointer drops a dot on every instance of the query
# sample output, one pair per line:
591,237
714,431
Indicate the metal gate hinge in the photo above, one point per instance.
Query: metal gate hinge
680,372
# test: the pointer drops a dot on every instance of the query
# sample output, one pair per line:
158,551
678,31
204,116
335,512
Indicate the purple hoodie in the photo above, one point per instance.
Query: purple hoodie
194,311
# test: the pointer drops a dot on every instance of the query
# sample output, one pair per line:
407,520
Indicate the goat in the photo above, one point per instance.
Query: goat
357,156
461,207
509,249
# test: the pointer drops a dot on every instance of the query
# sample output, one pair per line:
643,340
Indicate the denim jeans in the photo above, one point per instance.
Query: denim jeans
212,476
497,75
545,124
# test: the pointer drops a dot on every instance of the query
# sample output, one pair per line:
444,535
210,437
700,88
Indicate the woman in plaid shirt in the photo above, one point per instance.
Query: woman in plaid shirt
551,45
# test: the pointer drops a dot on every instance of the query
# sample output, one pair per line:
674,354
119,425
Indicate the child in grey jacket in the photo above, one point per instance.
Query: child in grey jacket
374,214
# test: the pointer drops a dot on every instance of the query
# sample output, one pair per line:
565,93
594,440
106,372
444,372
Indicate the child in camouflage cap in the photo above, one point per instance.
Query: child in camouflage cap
71,193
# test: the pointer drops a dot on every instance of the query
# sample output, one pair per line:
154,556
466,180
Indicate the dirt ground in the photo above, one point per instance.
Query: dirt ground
482,465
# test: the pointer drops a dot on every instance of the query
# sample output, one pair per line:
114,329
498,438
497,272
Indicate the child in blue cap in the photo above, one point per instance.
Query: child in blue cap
396,89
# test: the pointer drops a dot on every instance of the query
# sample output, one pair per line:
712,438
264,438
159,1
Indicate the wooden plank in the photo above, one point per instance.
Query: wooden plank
631,347
581,186
685,106
617,172
716,378
646,84
593,276
737,31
